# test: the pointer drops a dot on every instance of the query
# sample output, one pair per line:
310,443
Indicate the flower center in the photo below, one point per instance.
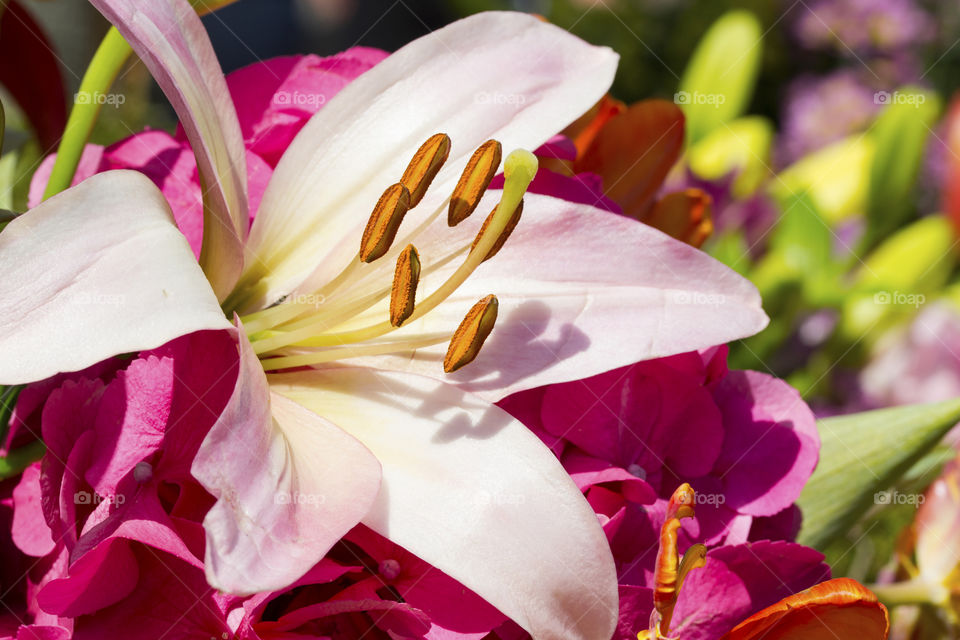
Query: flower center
670,569
303,331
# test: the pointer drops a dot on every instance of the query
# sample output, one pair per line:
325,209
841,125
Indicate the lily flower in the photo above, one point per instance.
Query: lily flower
371,415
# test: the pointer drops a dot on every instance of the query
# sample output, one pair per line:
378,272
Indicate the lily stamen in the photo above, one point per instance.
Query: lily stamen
519,170
404,291
474,181
425,165
471,334
385,222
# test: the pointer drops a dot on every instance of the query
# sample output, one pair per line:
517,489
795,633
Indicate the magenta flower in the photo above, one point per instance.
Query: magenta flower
744,440
296,459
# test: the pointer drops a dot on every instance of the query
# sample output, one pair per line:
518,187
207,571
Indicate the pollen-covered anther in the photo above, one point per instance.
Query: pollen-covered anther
384,222
507,230
425,165
474,181
404,292
470,335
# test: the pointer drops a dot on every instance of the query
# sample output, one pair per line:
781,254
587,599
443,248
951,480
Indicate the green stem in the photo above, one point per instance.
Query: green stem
106,64
21,458
914,591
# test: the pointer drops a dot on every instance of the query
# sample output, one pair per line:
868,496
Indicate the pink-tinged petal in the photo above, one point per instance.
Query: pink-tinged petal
91,162
111,566
95,271
471,491
29,530
581,292
67,422
139,517
171,600
740,580
173,168
452,80
588,471
37,632
172,42
774,448
636,605
132,418
276,97
289,483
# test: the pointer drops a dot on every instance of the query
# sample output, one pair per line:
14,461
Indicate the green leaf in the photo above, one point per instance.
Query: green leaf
861,455
718,82
917,258
106,64
8,400
900,134
835,177
21,458
899,277
802,235
743,146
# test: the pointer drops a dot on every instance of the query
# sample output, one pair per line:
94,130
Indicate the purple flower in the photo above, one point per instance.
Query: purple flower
821,110
862,26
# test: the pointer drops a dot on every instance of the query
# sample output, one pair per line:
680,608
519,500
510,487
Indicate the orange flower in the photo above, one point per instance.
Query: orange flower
633,149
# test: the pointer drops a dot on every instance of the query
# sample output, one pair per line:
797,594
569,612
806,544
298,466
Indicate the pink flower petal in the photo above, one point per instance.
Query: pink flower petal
288,483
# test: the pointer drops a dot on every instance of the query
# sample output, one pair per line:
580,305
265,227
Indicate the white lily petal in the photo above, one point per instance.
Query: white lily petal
98,270
581,291
472,491
289,484
507,76
172,42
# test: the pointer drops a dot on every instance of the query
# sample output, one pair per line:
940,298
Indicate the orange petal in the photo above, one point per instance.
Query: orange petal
634,151
838,609
685,215
951,185
584,129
